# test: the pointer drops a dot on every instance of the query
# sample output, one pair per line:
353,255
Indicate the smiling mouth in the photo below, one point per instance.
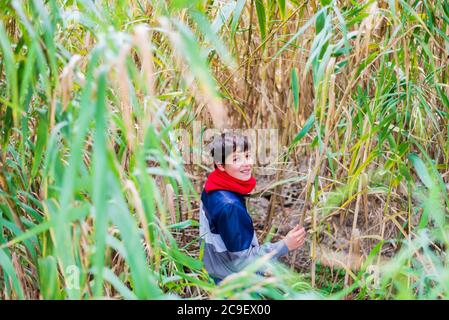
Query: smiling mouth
246,171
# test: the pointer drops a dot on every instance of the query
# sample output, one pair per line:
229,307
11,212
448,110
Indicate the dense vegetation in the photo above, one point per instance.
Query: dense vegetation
96,200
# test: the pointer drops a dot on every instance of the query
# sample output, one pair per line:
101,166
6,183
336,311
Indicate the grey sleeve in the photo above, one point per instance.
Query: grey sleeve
241,259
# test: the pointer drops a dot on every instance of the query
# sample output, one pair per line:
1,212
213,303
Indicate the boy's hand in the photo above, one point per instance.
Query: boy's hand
295,238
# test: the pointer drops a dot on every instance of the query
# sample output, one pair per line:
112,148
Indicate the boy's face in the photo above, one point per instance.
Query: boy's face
238,165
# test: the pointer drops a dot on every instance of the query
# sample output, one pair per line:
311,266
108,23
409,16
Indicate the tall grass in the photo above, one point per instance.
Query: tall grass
94,193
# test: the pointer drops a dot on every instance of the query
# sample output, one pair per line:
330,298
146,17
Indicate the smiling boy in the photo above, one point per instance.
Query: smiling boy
225,224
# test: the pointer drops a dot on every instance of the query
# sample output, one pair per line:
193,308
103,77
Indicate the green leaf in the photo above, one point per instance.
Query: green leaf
42,136
195,56
297,34
236,17
261,17
185,260
211,36
48,278
421,170
11,72
8,270
100,187
73,215
110,277
184,224
307,126
144,284
325,2
281,4
295,89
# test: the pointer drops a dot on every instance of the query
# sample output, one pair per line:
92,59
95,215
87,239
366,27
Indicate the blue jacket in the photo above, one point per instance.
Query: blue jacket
227,230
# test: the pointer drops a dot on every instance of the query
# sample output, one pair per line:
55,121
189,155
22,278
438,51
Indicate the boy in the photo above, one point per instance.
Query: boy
225,224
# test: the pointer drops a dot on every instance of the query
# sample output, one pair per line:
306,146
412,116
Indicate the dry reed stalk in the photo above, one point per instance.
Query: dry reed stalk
364,178
320,155
170,202
313,247
278,189
143,42
138,206
66,80
123,83
338,259
20,275
361,185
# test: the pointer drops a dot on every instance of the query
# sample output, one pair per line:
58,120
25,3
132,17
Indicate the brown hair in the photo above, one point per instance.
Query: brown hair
226,143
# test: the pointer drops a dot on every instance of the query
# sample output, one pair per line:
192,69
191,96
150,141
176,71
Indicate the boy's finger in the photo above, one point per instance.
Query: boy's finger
299,232
295,234
303,236
295,229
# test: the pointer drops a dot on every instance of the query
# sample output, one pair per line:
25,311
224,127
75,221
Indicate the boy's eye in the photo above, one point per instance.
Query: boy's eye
239,157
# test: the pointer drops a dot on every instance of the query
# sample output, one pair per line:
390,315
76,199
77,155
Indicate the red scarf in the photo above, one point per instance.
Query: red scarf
220,180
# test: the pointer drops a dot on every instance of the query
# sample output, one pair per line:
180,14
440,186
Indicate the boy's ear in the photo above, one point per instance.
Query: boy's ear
219,166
